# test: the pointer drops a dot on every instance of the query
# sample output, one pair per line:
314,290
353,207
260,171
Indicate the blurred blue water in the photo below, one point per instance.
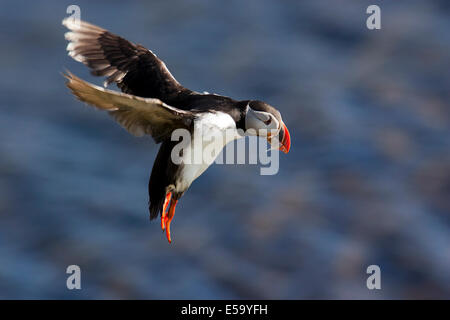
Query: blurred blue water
367,180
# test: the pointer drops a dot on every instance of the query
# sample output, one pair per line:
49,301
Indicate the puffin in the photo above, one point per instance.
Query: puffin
152,102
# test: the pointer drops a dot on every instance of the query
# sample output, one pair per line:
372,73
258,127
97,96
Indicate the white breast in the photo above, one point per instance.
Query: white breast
212,131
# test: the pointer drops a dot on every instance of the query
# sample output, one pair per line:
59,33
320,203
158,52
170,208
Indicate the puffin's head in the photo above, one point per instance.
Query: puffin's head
265,120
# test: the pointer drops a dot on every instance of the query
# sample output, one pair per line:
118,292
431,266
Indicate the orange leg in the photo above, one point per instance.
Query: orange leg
169,218
164,213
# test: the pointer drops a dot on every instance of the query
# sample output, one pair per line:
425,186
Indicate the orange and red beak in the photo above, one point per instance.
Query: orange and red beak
284,138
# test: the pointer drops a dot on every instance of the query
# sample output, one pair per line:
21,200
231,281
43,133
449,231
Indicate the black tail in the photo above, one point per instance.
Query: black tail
163,174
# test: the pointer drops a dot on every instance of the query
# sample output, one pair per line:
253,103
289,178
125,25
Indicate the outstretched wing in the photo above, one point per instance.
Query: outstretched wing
135,69
138,115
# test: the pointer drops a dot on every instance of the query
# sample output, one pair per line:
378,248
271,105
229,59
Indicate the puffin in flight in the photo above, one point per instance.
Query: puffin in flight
153,102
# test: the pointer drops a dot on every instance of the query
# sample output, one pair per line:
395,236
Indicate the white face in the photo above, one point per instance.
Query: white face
261,121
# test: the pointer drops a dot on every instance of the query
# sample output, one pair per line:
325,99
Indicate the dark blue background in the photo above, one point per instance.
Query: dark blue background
367,180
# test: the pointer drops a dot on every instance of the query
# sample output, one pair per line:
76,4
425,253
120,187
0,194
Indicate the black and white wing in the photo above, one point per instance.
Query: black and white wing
136,114
135,69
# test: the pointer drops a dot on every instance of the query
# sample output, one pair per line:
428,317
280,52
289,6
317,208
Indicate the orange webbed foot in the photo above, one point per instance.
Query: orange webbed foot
169,218
164,210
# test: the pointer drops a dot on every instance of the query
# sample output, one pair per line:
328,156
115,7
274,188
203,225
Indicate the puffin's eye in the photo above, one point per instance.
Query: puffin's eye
269,121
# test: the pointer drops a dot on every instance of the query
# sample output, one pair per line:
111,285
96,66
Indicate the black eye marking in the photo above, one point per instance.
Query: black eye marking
268,121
